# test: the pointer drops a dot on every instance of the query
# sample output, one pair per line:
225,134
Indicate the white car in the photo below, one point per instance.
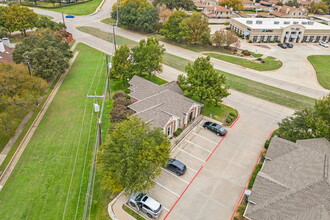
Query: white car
146,204
323,44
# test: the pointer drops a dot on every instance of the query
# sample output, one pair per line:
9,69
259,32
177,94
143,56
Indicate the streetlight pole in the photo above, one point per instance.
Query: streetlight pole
63,19
109,66
98,121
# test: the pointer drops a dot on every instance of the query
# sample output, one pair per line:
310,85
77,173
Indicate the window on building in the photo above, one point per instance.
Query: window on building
262,38
324,38
286,22
318,38
304,39
276,22
269,38
258,22
168,130
311,39
255,38
276,38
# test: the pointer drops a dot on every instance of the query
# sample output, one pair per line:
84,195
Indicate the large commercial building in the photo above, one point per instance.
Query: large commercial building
280,29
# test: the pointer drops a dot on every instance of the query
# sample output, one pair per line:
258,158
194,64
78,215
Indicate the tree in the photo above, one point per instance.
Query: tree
18,93
121,64
171,28
4,32
195,29
19,18
225,37
132,156
204,82
148,55
176,4
318,8
292,3
45,22
237,5
147,19
308,123
163,12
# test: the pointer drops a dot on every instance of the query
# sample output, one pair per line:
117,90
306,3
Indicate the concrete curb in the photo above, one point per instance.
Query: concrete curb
98,8
110,210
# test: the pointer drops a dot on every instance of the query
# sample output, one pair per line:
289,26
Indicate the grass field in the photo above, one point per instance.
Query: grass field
270,62
50,179
263,91
79,9
321,64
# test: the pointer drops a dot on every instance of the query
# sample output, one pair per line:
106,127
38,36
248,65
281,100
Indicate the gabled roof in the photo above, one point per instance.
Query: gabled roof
217,8
157,104
264,15
243,15
279,14
294,184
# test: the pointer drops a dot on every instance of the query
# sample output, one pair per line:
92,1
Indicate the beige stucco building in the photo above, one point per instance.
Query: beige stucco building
280,29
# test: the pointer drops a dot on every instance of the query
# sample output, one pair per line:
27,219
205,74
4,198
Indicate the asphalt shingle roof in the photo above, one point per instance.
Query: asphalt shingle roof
293,183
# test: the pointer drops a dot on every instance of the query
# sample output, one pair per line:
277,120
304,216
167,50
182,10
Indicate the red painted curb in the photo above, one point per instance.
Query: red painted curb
238,117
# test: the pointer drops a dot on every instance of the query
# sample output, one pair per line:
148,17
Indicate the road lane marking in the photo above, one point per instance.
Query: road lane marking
192,155
167,189
175,175
198,146
205,138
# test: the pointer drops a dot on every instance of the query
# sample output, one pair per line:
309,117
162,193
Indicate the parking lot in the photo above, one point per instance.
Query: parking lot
194,150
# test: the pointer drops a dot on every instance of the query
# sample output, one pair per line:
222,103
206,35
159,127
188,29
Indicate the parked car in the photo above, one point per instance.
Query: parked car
216,128
176,166
323,44
146,204
69,16
284,46
289,45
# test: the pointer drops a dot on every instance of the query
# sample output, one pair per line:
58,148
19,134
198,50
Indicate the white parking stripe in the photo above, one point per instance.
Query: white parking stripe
192,155
175,175
198,146
192,169
166,208
205,138
167,189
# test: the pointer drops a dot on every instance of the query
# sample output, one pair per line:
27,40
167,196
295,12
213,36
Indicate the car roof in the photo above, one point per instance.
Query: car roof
151,203
177,164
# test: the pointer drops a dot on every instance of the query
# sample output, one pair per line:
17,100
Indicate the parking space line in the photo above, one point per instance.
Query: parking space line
166,188
166,208
192,169
175,175
205,138
192,155
198,146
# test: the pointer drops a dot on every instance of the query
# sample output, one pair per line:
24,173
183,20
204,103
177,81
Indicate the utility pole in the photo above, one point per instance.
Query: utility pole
63,19
28,65
115,25
98,121
109,65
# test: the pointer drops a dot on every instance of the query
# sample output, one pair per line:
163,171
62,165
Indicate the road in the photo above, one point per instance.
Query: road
292,76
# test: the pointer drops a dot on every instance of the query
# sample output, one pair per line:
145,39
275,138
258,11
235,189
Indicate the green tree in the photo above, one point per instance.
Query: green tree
147,56
3,10
237,5
19,18
4,32
132,156
308,123
195,29
45,22
19,92
318,8
293,3
225,38
204,82
176,4
147,19
121,64
171,28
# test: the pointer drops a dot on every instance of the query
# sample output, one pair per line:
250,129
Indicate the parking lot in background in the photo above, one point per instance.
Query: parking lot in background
193,151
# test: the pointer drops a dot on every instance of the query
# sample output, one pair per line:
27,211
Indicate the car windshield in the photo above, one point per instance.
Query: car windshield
139,197
222,129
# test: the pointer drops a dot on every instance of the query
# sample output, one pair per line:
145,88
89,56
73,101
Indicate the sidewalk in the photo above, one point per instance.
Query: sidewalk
115,209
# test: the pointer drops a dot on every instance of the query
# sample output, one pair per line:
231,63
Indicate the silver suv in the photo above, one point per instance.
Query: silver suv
146,204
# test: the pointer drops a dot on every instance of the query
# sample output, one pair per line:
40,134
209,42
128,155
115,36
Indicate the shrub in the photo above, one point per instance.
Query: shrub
119,94
177,132
266,145
229,119
254,175
240,209
233,114
262,61
122,101
246,53
225,23
120,113
259,59
250,41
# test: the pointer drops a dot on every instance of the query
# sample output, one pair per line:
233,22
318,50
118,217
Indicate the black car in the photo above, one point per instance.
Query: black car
284,46
289,45
216,128
176,166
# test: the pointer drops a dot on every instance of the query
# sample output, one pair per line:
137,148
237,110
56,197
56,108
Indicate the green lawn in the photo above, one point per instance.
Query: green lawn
50,179
263,91
321,64
218,112
270,62
132,213
108,21
79,9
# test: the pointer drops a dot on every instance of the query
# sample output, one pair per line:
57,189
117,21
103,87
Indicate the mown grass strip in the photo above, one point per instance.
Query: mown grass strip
270,63
321,64
132,213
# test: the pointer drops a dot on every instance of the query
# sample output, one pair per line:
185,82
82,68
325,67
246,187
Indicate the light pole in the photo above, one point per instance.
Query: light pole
63,19
28,64
98,121
109,66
